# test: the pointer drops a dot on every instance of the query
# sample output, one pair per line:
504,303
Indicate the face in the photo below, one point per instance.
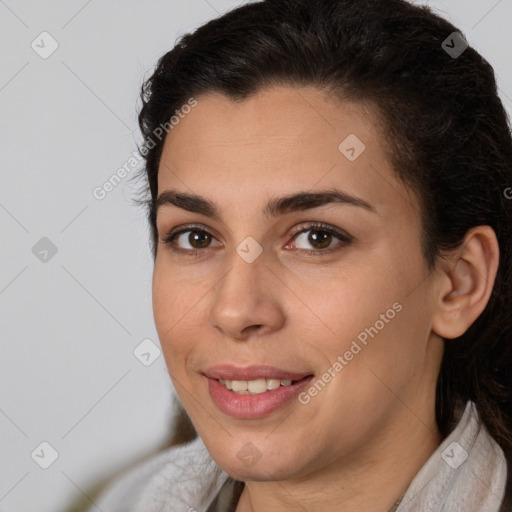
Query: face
328,291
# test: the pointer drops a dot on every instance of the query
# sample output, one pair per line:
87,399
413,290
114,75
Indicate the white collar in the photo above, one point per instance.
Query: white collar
467,472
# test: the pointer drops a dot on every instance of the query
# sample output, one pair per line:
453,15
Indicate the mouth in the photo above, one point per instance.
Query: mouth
229,372
257,386
254,392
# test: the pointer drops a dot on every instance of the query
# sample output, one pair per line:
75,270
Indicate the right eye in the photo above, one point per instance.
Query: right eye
197,239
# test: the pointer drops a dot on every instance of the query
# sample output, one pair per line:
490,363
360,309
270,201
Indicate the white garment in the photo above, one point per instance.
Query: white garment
467,473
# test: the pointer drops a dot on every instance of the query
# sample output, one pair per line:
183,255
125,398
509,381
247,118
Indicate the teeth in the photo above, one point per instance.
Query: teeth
257,386
273,383
254,387
239,385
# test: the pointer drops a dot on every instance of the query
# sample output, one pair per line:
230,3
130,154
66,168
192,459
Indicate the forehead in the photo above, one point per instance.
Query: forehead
281,116
279,140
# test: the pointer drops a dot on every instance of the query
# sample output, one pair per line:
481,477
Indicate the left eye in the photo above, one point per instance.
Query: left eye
318,238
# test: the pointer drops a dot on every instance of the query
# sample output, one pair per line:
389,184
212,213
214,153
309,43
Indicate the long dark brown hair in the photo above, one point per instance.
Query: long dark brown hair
447,134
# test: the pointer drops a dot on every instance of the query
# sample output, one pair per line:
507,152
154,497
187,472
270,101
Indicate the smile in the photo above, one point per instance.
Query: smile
254,387
255,398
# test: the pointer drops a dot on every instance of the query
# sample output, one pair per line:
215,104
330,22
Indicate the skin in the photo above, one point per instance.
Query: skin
360,441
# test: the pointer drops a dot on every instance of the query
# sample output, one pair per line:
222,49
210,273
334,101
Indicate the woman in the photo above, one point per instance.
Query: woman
332,274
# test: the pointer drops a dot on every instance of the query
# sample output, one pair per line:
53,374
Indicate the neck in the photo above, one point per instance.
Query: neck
370,482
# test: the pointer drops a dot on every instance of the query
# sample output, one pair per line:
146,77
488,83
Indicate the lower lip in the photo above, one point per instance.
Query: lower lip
253,406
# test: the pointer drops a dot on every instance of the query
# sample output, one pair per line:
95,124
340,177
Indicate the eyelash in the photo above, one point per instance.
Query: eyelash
318,226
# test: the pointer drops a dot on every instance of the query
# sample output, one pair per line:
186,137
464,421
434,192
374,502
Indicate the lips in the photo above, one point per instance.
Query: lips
231,372
261,403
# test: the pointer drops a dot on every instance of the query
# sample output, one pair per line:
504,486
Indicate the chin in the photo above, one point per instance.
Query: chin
259,473
248,463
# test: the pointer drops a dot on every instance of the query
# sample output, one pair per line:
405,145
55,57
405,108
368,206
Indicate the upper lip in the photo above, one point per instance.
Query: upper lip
231,372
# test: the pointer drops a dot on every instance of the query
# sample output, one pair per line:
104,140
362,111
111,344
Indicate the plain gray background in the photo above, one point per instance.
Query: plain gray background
70,320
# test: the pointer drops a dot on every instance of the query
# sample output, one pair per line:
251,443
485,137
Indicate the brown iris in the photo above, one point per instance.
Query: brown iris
202,238
315,239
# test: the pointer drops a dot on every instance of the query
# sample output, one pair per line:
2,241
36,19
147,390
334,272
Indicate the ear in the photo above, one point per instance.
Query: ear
466,279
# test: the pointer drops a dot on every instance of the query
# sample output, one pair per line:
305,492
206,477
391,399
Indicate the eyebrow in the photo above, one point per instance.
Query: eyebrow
299,201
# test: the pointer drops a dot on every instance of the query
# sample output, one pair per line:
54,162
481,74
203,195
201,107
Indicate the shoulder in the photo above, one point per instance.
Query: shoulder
182,477
467,472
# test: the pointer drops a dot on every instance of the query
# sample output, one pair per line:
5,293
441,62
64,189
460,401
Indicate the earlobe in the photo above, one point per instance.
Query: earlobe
467,283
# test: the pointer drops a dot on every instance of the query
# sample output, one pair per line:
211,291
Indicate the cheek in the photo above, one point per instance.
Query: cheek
371,320
352,301
382,358
174,305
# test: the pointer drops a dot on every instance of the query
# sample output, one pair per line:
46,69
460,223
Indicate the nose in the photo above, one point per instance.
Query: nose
248,300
